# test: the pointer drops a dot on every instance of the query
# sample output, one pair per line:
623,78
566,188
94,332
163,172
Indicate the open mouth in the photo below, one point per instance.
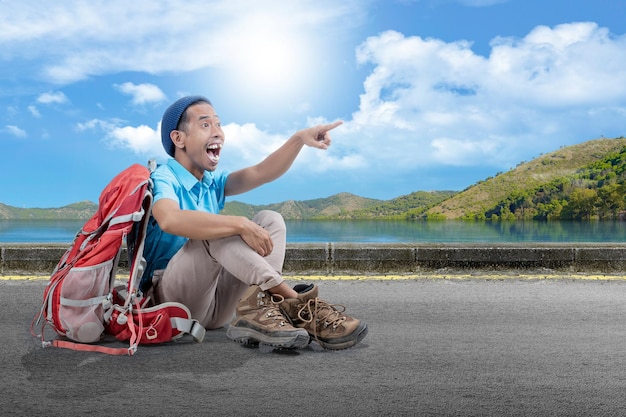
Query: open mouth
213,152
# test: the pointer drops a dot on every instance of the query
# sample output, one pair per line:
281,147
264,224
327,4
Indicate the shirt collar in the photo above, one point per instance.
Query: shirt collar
187,180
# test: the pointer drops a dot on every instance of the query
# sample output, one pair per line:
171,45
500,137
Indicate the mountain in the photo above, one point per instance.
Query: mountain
405,207
81,210
527,179
334,206
330,207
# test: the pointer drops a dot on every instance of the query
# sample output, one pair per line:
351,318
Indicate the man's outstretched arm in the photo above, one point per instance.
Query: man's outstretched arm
279,161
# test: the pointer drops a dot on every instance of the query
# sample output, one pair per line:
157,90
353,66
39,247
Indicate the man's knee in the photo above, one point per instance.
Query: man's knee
269,219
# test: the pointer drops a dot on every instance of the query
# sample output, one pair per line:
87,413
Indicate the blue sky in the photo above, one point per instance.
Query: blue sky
434,94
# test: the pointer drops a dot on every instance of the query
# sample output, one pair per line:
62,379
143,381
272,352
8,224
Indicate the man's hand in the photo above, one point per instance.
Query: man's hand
257,238
317,136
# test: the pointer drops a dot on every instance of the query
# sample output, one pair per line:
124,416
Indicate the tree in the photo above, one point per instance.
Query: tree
610,201
582,204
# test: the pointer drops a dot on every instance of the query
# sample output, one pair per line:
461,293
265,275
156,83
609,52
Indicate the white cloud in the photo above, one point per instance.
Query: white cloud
461,152
15,131
95,123
244,144
142,93
566,66
142,140
247,145
12,111
266,48
33,110
427,102
52,97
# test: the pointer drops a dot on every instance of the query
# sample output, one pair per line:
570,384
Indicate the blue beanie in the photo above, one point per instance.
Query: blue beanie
171,117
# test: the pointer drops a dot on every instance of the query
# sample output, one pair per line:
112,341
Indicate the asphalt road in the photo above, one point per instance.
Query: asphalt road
435,347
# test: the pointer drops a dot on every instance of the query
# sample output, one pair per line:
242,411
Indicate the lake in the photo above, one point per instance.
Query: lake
363,231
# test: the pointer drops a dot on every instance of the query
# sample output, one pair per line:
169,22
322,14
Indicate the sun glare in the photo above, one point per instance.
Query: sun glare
270,62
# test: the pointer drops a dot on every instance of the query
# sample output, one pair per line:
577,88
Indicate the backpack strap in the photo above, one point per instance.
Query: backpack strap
66,344
190,326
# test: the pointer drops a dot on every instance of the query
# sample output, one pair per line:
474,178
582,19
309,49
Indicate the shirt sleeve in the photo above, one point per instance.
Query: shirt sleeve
163,185
221,186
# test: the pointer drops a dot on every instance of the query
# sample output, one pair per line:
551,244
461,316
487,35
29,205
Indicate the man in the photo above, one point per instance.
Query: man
223,266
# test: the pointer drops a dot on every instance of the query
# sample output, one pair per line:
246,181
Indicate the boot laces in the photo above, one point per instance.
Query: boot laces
272,309
324,314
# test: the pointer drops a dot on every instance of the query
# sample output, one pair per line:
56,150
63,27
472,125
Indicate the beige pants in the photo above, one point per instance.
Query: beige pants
210,276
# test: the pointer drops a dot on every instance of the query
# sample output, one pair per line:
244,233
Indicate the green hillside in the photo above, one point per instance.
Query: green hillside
336,206
516,194
405,207
82,210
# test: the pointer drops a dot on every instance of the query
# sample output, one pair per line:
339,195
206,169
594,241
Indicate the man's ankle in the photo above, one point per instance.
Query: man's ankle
284,290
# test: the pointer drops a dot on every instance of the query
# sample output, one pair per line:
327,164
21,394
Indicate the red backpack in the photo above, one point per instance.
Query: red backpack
81,302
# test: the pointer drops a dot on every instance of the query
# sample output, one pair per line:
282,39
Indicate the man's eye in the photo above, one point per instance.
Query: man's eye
205,124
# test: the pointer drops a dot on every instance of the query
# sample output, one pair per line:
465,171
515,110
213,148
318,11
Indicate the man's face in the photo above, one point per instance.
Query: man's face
201,139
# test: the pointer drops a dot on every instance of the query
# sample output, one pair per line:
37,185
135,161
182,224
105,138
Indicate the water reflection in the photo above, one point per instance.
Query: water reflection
39,231
363,231
454,231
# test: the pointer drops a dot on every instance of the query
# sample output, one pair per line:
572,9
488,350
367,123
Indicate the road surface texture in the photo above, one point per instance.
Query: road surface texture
436,347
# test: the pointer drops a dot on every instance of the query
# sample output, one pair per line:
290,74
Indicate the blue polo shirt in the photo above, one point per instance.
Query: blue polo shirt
174,182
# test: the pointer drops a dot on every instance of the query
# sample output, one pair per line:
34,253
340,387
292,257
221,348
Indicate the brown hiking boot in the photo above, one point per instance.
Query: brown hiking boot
259,320
326,323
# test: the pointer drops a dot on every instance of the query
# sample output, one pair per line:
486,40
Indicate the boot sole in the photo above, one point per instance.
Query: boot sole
251,337
329,344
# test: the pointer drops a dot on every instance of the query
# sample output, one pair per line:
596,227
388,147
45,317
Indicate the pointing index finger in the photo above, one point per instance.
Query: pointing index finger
333,125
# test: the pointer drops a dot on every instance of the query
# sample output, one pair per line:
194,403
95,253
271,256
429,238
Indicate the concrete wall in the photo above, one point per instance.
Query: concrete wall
380,258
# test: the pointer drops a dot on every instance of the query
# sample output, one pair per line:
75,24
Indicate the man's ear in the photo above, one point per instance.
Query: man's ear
178,138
